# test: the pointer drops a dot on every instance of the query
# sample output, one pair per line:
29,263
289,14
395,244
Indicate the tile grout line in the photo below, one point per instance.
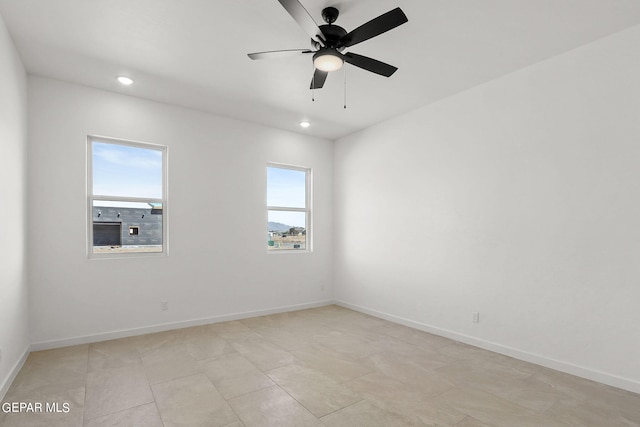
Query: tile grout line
86,384
155,400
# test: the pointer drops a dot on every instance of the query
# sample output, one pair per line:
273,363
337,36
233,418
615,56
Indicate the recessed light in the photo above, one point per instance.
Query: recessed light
305,124
125,80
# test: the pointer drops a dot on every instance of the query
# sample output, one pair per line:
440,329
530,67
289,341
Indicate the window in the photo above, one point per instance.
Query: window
288,208
127,197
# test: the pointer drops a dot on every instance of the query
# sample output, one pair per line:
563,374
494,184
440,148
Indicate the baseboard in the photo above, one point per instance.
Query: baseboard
558,365
88,339
4,387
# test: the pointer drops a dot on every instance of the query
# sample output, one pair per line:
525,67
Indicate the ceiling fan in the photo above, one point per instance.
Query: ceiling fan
328,41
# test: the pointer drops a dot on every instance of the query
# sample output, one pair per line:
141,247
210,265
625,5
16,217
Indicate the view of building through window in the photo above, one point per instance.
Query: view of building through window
287,208
126,197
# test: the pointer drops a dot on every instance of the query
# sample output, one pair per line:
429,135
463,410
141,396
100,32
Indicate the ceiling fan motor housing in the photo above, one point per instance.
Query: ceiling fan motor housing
332,34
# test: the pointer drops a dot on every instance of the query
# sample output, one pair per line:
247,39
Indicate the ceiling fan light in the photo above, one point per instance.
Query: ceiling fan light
327,60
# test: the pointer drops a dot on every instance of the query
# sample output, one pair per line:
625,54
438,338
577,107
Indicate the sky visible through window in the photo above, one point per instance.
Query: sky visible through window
126,171
286,188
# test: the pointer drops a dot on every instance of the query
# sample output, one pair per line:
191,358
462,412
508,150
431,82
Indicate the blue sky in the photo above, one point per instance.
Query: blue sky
286,188
125,171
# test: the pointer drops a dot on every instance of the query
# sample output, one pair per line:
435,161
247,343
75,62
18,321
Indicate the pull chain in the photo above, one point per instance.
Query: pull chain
313,84
345,86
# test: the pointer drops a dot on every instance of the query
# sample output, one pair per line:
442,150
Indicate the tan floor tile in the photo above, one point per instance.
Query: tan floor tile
287,339
50,371
472,422
483,375
348,344
227,367
263,354
374,337
278,320
366,414
403,368
159,371
157,341
169,362
410,400
164,347
395,345
357,320
232,331
325,313
459,351
272,407
587,414
71,401
430,413
144,415
530,393
76,355
403,376
192,401
206,346
427,359
422,339
113,390
315,391
234,375
113,354
202,343
488,408
32,381
607,399
425,385
244,383
619,402
331,363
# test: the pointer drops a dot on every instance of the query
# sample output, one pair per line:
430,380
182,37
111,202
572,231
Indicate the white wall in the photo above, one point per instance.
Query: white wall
217,265
14,332
518,199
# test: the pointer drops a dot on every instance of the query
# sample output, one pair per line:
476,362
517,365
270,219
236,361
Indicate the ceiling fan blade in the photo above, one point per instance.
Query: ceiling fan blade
277,54
318,80
302,17
375,27
369,64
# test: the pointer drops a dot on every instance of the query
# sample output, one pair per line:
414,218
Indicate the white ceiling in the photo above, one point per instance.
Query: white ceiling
193,52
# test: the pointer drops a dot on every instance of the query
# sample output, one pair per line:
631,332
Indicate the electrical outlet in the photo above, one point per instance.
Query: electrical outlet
164,305
476,317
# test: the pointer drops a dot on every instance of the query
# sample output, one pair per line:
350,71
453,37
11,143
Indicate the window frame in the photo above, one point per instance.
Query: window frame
91,198
307,209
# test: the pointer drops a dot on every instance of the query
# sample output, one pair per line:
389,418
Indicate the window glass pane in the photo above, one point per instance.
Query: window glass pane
286,187
113,222
126,171
286,230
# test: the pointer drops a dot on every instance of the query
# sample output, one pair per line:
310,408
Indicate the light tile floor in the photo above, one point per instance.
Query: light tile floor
327,366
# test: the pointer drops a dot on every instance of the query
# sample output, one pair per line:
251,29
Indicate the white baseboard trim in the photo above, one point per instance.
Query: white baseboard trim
579,371
4,387
105,336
